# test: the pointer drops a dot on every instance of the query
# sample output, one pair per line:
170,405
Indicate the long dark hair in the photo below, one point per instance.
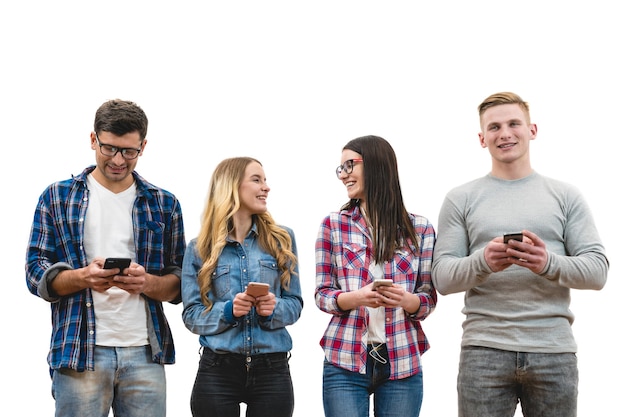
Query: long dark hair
391,226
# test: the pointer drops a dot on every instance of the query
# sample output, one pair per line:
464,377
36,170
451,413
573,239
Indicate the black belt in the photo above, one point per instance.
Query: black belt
245,358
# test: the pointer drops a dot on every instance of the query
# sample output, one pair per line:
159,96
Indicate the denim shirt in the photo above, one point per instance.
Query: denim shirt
238,265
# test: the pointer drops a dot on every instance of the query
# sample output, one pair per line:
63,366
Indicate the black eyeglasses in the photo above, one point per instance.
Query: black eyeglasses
109,150
347,166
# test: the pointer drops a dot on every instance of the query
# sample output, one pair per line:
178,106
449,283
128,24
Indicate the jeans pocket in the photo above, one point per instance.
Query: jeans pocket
209,359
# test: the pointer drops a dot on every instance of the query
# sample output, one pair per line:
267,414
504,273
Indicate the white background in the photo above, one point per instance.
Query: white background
289,83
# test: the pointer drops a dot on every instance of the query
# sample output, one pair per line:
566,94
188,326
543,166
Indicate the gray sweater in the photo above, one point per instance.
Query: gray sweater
516,309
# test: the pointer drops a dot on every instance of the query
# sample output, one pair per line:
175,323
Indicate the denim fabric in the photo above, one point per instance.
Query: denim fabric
491,382
223,381
124,379
347,393
239,264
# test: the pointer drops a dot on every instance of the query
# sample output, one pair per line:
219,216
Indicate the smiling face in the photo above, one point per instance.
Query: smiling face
114,172
253,190
354,181
507,132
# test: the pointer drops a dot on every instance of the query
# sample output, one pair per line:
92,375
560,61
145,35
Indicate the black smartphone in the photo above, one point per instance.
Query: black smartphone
514,236
121,263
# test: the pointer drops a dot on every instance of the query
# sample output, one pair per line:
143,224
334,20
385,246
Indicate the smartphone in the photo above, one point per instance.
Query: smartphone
382,282
514,236
257,289
121,263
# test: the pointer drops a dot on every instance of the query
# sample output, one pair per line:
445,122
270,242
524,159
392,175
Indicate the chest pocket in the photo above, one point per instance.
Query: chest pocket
220,281
354,255
269,271
403,260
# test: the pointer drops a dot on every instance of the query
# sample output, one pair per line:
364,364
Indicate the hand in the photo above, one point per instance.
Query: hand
387,296
97,278
530,253
390,296
242,304
265,304
365,296
132,280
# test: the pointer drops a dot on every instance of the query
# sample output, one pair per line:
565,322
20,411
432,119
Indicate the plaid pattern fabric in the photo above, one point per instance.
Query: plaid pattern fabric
55,244
342,255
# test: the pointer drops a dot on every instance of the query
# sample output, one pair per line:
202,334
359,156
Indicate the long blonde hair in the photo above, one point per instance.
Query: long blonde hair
222,204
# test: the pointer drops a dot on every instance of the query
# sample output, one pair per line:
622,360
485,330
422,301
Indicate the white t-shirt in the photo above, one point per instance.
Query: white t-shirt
121,317
376,324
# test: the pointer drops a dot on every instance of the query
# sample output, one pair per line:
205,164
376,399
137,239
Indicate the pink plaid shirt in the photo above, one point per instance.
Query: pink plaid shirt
342,257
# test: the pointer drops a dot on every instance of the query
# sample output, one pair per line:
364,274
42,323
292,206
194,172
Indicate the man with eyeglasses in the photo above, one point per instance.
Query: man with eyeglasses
110,337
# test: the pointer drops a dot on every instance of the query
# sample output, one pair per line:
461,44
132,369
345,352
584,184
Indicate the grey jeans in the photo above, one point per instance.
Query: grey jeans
491,382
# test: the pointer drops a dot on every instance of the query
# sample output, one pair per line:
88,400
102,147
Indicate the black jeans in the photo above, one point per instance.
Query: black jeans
223,381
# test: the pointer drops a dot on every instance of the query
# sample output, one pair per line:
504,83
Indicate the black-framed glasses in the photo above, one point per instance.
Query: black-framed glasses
110,150
347,166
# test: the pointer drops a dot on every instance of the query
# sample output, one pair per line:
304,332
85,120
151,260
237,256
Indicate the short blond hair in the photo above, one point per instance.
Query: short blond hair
498,99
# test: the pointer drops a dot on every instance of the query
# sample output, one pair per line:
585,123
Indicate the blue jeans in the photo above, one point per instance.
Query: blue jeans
492,381
223,381
124,379
347,393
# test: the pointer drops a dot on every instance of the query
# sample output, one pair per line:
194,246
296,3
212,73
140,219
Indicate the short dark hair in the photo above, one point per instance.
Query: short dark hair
121,117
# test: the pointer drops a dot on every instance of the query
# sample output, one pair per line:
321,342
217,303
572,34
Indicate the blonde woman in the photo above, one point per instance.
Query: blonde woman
244,341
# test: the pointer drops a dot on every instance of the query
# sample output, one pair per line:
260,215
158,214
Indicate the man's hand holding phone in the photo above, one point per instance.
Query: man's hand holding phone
119,263
134,283
513,236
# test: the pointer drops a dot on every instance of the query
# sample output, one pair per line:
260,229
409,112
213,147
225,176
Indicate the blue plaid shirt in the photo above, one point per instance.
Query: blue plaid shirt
56,244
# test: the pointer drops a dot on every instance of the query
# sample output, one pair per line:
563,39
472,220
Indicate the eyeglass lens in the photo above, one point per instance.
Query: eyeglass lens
109,150
128,153
347,167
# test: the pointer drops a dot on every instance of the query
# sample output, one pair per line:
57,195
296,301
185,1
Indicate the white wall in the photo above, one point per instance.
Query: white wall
290,82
